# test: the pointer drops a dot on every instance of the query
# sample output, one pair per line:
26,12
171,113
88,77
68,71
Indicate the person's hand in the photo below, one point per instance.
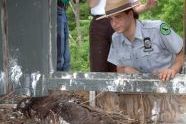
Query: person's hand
146,6
130,70
150,4
127,69
167,74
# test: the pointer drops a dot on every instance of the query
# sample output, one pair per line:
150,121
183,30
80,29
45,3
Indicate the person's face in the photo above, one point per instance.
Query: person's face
121,22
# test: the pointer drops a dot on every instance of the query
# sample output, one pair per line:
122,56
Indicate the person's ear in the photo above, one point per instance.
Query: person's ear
130,13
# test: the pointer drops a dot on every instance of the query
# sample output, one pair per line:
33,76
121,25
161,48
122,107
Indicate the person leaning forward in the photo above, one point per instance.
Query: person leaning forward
100,35
142,46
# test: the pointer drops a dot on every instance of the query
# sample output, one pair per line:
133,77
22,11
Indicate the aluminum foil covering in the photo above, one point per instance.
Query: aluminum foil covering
36,84
132,83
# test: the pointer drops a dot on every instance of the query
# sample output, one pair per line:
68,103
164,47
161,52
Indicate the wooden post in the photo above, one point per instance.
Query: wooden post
4,24
92,98
51,68
184,26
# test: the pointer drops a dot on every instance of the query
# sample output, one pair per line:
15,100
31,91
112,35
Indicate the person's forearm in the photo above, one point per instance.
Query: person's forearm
178,64
140,8
126,69
121,69
146,6
92,3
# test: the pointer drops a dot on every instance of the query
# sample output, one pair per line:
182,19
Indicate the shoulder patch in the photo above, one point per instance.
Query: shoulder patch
165,29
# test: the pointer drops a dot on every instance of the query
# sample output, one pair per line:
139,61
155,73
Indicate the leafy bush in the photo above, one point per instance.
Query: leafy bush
170,11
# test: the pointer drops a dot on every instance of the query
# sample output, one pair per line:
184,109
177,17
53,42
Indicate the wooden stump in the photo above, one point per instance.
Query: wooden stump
162,108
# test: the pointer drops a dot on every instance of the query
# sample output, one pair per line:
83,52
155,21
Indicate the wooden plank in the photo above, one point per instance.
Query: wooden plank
184,25
8,106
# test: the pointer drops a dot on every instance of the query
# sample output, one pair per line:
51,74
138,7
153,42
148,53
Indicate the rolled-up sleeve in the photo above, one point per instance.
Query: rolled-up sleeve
172,41
113,56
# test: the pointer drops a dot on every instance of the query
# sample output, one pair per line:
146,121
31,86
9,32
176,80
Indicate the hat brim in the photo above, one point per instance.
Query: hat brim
108,15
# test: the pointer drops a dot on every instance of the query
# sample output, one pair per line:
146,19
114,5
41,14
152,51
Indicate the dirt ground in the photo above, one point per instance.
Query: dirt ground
62,107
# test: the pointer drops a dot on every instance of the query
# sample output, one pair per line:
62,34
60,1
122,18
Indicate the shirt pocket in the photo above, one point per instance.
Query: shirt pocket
143,60
148,61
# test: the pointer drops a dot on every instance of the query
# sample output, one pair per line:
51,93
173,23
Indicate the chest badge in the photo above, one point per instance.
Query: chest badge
147,44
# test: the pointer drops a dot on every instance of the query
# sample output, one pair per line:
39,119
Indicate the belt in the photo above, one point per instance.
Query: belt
96,16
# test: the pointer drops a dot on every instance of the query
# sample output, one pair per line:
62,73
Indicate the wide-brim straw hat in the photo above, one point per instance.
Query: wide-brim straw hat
116,6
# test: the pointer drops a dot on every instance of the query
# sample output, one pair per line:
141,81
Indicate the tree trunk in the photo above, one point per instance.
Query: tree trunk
77,18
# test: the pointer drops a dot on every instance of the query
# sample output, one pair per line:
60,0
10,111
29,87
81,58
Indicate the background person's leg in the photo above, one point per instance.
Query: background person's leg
100,40
63,52
60,59
66,65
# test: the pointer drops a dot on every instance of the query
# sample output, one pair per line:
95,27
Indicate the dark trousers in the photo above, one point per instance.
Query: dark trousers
100,40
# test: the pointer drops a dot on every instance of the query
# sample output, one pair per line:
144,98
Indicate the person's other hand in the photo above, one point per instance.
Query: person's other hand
167,74
146,6
93,3
150,4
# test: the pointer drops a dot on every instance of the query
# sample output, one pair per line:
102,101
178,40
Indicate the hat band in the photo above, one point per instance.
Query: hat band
123,7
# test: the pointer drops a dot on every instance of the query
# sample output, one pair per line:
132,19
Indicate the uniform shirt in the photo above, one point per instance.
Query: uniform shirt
157,52
99,9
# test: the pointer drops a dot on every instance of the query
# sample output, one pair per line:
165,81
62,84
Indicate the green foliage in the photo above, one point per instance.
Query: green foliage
79,53
170,11
79,56
84,15
71,19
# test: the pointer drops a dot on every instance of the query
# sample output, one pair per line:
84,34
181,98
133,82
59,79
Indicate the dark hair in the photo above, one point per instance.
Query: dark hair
135,14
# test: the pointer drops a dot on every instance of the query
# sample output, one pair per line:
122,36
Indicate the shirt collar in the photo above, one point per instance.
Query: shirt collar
138,34
125,40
